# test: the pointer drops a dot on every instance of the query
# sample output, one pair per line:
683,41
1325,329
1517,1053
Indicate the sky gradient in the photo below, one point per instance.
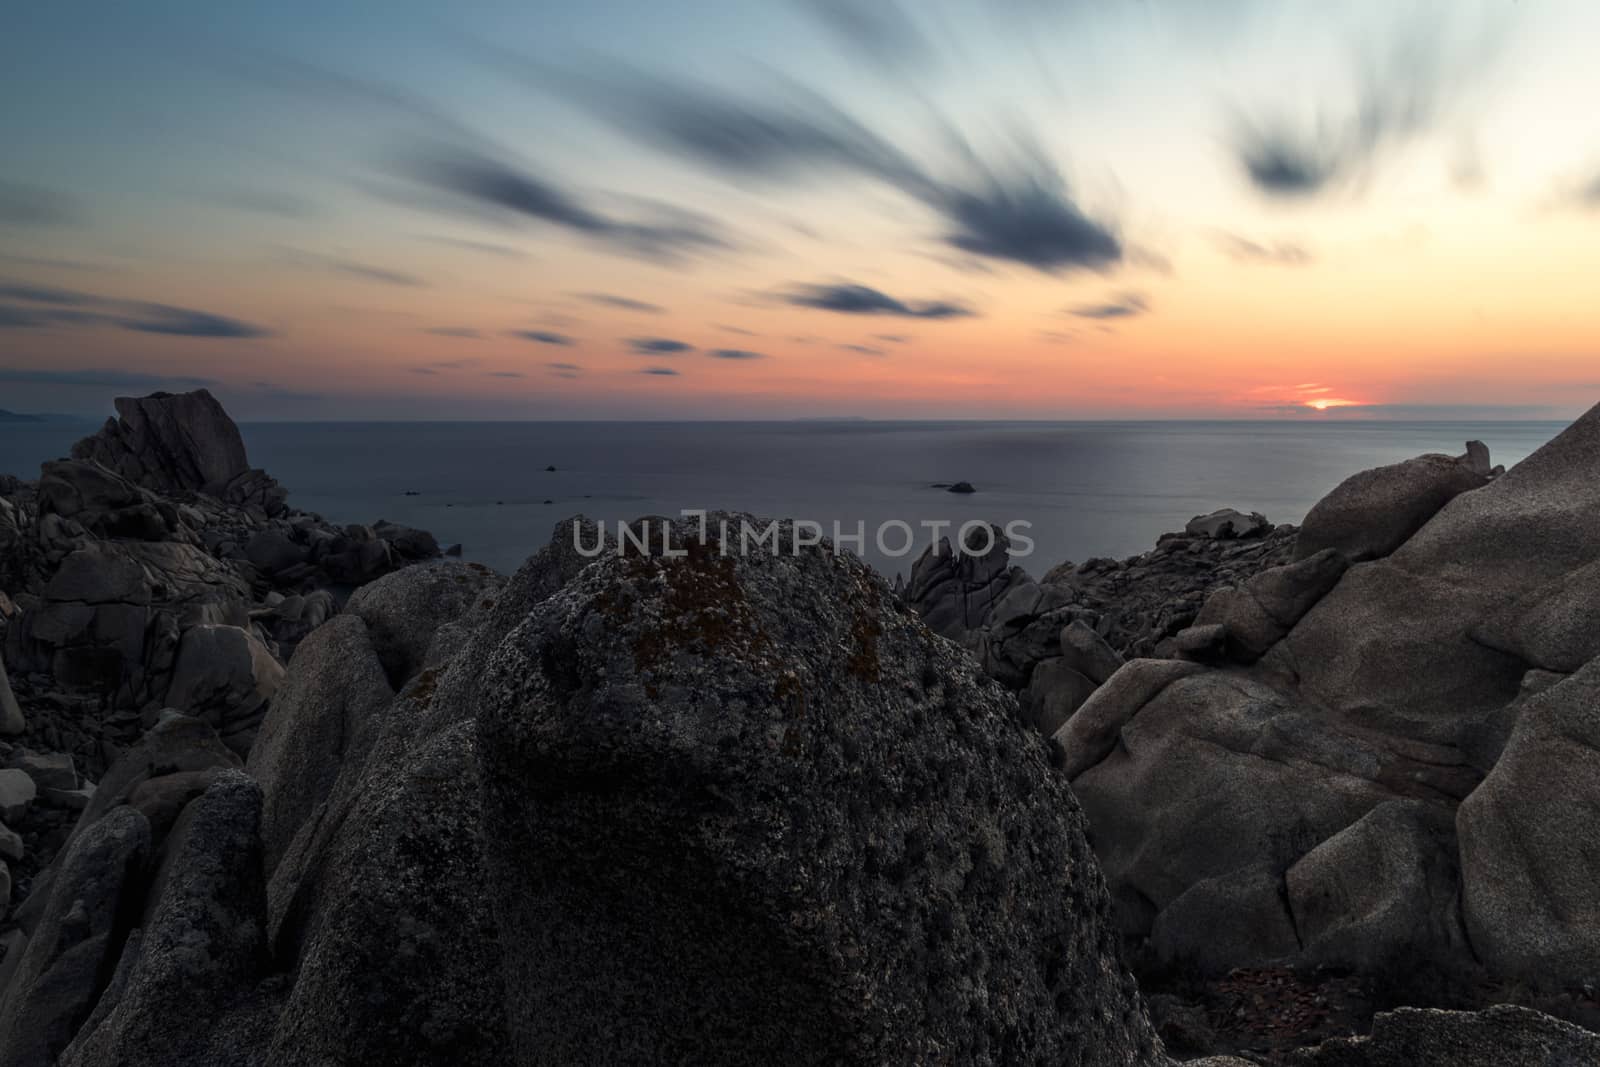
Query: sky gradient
805,208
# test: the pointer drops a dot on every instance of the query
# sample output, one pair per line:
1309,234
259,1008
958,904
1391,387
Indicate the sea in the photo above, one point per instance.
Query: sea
1076,490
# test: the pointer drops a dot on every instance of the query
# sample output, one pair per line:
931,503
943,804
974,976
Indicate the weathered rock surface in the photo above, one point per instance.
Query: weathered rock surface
177,443
224,675
1359,709
404,610
776,738
77,941
12,721
380,895
1502,1036
1227,524
1529,835
201,946
322,720
1369,515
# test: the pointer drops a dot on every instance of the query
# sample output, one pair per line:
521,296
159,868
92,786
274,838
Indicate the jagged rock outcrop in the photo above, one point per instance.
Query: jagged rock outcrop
755,803
181,443
1339,742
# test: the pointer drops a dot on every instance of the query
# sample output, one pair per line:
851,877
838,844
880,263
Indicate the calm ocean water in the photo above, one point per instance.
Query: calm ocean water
1087,488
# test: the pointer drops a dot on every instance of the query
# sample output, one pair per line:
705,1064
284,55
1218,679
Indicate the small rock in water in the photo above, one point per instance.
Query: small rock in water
453,550
412,492
550,469
961,487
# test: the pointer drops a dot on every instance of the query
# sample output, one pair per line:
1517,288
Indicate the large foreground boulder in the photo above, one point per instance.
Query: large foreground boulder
747,809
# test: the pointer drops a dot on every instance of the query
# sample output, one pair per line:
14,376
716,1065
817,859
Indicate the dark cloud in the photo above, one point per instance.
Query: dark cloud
880,30
664,372
893,338
66,307
1011,204
658,346
563,366
865,350
462,332
478,179
544,337
1400,95
1126,306
30,205
506,374
1281,253
184,322
626,303
100,377
43,294
853,299
734,353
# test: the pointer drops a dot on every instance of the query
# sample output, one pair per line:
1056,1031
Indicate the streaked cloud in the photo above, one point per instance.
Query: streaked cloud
32,205
733,353
545,337
625,303
658,346
1124,306
852,299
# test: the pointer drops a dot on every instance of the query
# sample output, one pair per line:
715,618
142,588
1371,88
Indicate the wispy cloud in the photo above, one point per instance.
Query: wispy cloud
100,377
1125,306
1009,202
625,303
42,306
660,372
544,337
474,178
459,332
1401,94
658,346
31,205
865,350
734,354
354,268
1277,254
852,299
881,31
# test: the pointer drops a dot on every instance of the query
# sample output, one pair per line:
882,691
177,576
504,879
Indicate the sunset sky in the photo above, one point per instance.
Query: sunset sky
804,208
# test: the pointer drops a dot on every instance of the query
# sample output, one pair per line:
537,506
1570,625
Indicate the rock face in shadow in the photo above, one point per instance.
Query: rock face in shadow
76,943
180,443
1338,736
750,809
1502,1036
201,947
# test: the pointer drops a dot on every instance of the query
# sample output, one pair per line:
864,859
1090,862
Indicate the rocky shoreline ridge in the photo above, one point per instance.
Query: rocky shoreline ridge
277,791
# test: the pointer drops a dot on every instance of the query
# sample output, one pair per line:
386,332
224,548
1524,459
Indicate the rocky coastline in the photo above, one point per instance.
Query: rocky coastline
279,791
